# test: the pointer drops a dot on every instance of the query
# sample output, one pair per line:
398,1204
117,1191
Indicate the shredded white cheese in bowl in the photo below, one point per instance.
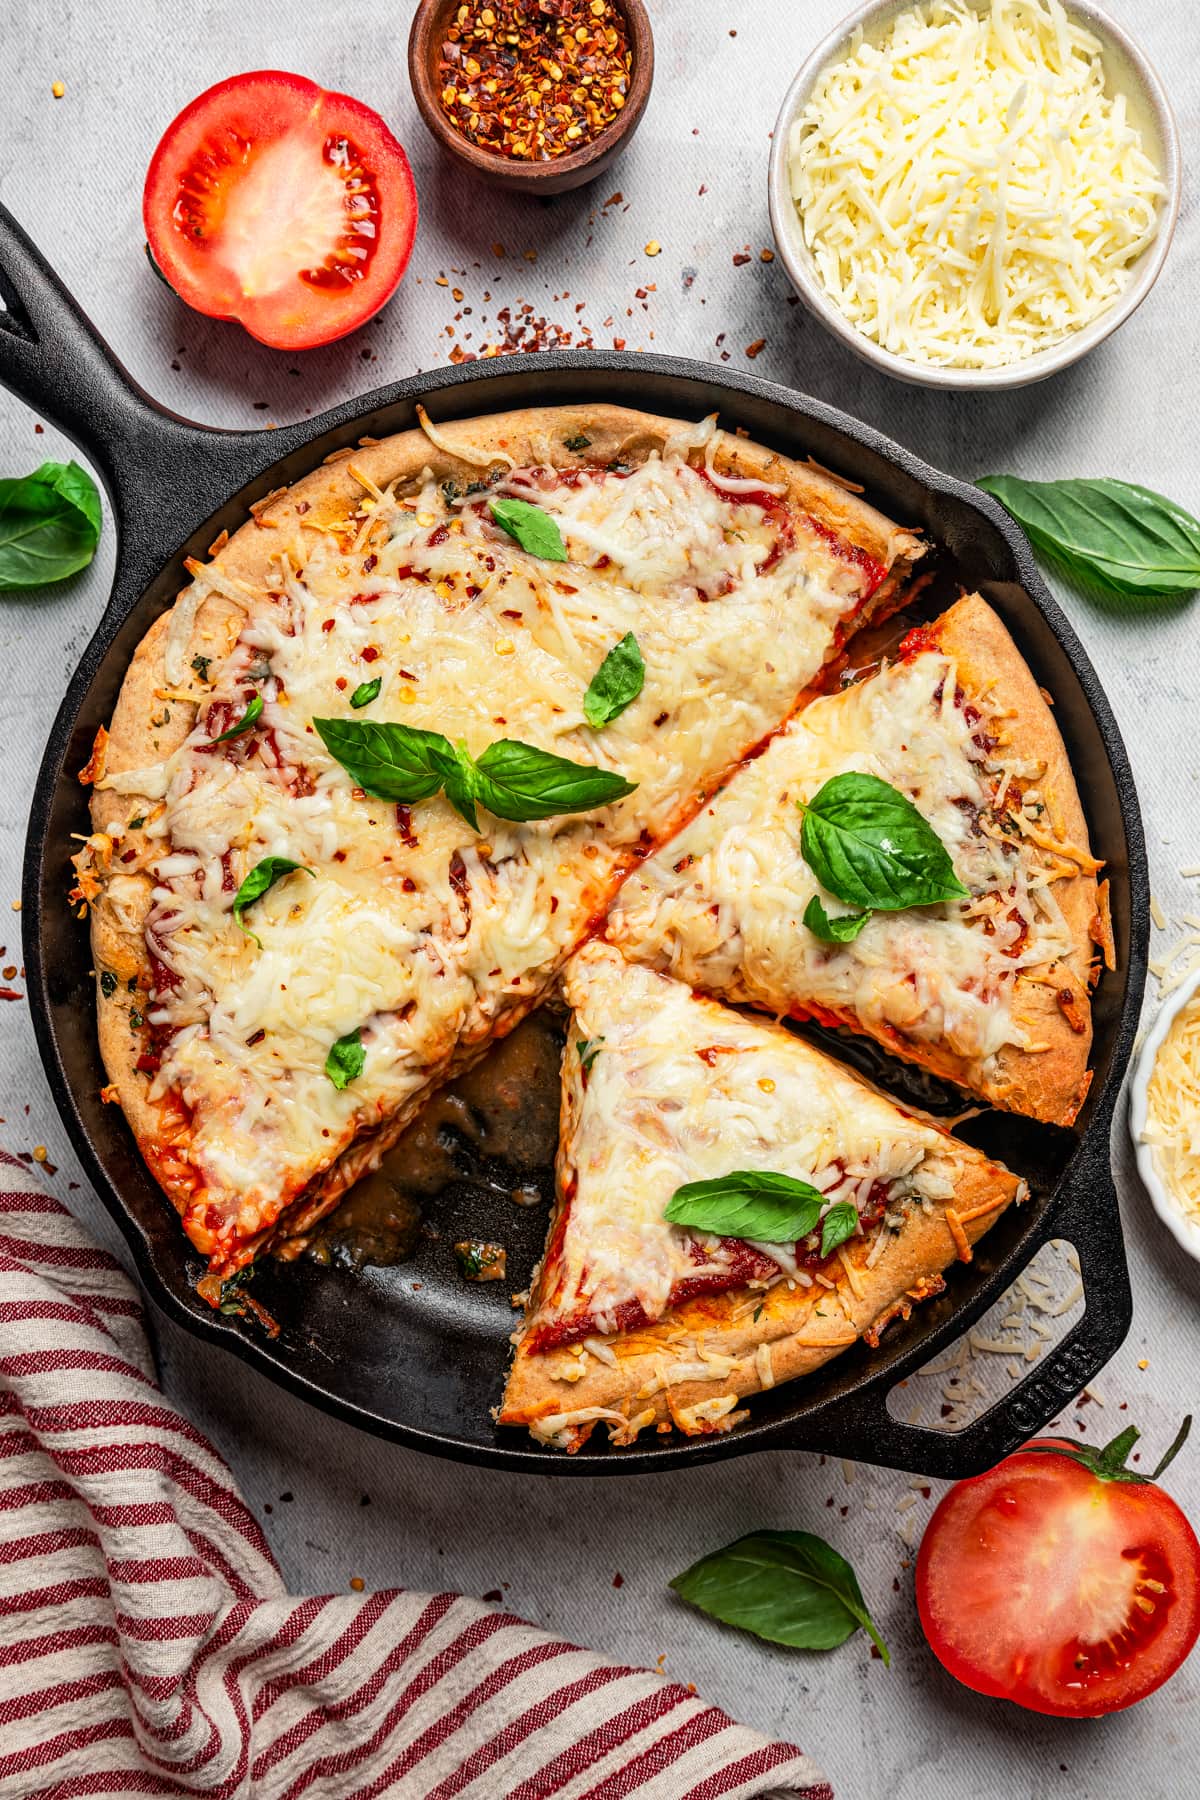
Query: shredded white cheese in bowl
973,184
1164,1115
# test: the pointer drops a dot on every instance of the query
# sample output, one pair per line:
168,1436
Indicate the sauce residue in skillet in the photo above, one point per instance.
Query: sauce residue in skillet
493,1128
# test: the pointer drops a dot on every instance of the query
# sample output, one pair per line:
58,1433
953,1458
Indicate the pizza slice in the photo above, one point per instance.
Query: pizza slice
634,1322
991,990
374,776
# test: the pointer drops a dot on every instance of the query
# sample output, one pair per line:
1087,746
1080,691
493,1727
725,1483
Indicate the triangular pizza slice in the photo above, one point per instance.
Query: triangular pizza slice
635,1323
992,990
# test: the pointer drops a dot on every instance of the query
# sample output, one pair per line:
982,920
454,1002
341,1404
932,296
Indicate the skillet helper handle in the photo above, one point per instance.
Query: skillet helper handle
53,358
165,474
1087,1215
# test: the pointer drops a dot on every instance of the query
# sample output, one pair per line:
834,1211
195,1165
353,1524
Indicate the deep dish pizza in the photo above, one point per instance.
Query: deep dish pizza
386,573
380,775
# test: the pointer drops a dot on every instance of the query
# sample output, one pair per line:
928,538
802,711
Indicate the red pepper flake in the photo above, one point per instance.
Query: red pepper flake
370,654
753,349
739,259
533,83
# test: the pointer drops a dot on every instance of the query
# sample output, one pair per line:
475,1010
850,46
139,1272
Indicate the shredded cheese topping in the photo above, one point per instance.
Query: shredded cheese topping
681,1090
722,906
968,189
1172,1126
416,931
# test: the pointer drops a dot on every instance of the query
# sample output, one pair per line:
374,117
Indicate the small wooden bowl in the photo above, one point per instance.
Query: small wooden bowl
558,173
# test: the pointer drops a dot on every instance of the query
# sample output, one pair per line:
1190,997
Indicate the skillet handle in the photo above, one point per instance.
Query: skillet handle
165,475
1087,1213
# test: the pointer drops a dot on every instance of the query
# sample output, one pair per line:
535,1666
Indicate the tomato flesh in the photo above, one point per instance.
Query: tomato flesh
276,203
1040,1583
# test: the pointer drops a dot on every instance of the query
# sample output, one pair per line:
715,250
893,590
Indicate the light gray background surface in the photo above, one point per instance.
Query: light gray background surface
694,181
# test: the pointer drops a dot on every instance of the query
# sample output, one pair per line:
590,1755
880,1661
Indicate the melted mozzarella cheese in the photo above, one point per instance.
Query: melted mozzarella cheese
722,905
968,188
414,930
653,1112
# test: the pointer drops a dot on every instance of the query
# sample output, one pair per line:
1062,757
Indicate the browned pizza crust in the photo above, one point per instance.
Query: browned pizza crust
800,1328
1051,1002
157,705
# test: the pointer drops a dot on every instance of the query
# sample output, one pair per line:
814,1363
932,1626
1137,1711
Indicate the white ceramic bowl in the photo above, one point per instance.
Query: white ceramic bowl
1183,1229
1149,109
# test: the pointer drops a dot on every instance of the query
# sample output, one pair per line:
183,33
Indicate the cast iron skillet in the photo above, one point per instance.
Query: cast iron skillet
424,1364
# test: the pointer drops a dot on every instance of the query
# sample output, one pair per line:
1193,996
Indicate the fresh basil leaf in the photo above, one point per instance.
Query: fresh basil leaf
532,526
108,983
49,525
252,712
788,1587
839,1223
843,928
346,1059
391,762
868,845
1127,539
520,782
748,1203
263,876
616,684
366,691
588,1049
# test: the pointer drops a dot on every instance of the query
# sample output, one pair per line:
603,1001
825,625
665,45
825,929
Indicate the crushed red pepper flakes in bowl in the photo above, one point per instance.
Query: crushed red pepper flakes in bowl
534,82
538,95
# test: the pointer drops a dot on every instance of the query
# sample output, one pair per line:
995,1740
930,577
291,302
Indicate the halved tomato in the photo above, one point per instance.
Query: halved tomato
1061,1580
288,208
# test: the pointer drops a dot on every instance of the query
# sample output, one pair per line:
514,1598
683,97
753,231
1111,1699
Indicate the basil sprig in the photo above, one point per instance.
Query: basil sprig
748,1203
49,525
1125,539
867,844
346,1059
763,1205
789,1587
262,877
616,684
533,527
513,780
252,713
366,691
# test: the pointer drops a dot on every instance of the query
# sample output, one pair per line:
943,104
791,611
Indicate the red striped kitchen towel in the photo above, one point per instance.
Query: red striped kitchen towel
147,1644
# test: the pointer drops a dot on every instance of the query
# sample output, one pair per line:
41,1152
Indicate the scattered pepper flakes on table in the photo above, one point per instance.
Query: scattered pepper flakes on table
534,83
653,248
753,349
357,1583
58,89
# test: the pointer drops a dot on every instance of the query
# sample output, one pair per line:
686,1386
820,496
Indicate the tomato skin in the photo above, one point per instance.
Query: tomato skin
1042,1584
286,207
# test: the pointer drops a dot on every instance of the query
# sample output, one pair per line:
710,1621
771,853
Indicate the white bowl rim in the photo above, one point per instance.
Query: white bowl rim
1185,1231
785,220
